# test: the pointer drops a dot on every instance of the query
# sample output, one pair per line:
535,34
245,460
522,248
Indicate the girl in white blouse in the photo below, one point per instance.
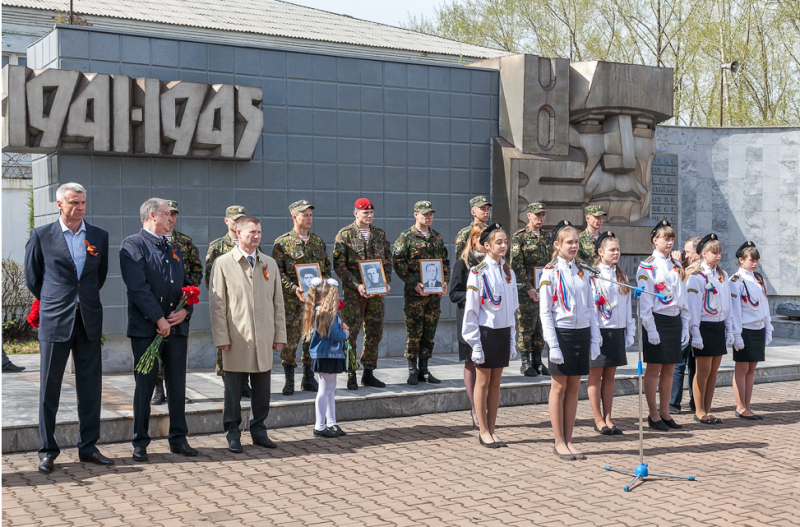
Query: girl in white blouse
617,328
711,325
488,327
569,325
752,326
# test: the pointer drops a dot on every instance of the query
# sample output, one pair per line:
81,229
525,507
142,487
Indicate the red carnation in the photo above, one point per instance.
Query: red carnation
191,295
33,316
661,286
341,305
601,300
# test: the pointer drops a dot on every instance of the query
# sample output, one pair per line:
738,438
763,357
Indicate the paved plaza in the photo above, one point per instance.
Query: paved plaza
430,470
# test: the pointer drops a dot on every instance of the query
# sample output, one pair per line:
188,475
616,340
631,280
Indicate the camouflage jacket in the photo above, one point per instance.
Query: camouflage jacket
350,247
461,239
411,247
528,251
289,250
586,248
191,257
216,249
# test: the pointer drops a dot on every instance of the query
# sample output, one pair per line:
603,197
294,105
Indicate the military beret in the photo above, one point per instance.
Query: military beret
536,207
364,204
300,206
594,210
559,226
423,207
742,248
479,201
234,212
599,241
704,241
661,224
485,233
173,205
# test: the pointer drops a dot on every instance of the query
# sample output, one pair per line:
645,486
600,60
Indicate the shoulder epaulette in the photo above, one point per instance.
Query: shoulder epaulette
699,271
283,236
649,259
519,231
551,264
478,268
735,278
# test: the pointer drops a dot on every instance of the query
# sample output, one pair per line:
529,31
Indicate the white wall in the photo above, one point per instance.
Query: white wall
15,217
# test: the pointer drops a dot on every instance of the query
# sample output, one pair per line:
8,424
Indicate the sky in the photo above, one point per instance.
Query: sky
389,12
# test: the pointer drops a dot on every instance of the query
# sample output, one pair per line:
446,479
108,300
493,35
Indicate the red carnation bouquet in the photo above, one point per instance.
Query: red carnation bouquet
33,316
190,297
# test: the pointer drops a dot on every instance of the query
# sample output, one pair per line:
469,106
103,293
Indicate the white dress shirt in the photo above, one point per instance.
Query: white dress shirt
658,269
749,305
704,305
566,301
483,314
615,313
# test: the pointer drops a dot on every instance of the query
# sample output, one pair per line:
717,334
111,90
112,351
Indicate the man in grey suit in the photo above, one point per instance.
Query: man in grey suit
66,263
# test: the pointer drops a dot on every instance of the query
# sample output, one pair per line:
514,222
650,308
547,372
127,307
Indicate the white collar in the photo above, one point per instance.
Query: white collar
64,227
154,234
563,264
659,254
491,261
605,267
708,269
253,254
744,273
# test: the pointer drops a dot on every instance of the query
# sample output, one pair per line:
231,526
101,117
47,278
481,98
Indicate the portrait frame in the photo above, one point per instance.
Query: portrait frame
537,276
363,265
439,289
302,269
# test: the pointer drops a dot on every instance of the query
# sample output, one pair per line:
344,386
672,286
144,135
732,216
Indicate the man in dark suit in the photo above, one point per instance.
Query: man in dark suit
66,263
153,271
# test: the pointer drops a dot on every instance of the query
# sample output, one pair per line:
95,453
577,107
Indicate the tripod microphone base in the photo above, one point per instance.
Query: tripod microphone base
641,472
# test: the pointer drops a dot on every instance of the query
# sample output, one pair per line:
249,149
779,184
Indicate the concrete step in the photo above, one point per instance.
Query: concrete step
786,328
204,415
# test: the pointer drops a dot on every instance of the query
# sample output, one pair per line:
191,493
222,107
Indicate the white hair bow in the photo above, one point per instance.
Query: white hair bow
332,282
316,281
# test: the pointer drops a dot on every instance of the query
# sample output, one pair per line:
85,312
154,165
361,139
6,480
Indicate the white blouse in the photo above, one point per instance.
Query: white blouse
709,299
566,301
659,274
615,312
491,302
749,304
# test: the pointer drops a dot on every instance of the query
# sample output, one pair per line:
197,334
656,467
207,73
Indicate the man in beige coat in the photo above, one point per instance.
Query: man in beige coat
248,323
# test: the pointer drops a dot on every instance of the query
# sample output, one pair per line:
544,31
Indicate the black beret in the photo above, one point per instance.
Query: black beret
745,245
485,233
560,225
702,243
661,224
599,241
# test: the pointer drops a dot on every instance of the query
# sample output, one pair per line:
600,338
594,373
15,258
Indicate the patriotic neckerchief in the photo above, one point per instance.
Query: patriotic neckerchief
491,299
710,302
563,292
602,299
747,296
660,282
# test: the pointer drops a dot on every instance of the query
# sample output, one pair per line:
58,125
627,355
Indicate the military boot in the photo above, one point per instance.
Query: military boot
527,368
423,371
308,383
369,379
159,397
352,380
413,372
288,388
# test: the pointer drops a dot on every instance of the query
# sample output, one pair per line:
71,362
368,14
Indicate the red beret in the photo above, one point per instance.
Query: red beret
364,204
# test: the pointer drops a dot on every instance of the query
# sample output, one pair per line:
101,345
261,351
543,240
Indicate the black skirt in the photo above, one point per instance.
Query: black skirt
754,344
496,347
328,365
713,334
612,352
669,332
464,349
576,346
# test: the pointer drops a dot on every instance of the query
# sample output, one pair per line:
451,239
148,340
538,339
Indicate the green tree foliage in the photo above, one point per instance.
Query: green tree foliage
693,37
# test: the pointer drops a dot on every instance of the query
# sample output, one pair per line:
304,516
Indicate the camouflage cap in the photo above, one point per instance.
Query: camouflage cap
423,207
479,201
300,206
536,207
234,212
173,205
594,210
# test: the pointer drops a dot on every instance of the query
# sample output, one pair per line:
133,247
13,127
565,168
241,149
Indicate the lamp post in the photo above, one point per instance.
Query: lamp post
70,15
734,67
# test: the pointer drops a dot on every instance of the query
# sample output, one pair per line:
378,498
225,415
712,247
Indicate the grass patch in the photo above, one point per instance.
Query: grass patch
16,347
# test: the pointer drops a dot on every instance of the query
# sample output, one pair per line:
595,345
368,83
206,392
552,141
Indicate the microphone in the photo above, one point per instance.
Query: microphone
587,267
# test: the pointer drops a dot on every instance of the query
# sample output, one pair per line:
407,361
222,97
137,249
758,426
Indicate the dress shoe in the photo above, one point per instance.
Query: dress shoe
140,454
493,444
10,367
563,457
97,458
159,397
606,431
672,424
234,445
704,421
185,449
338,430
368,379
617,431
47,464
263,440
327,433
659,425
759,417
748,417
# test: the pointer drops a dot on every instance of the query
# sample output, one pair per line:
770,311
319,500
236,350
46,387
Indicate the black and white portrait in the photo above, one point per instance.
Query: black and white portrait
431,276
306,273
372,276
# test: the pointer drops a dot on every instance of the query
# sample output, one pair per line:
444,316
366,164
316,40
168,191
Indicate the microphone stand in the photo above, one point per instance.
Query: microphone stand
640,472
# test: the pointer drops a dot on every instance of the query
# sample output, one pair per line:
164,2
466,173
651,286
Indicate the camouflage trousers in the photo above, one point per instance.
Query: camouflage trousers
529,328
294,331
368,312
422,317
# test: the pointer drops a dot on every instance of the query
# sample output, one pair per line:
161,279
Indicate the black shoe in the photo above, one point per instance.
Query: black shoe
288,388
657,425
424,374
672,424
247,392
368,379
544,371
10,367
759,417
526,367
159,397
352,380
308,383
488,445
338,430
617,431
704,421
46,465
234,445
185,449
530,372
606,431
140,454
748,417
97,458
263,440
328,433
413,372
564,457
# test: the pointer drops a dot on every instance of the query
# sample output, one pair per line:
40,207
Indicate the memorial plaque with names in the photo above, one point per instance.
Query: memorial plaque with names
664,201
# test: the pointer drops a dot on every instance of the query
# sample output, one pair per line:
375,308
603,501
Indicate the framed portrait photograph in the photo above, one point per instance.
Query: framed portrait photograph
306,273
537,275
373,277
431,276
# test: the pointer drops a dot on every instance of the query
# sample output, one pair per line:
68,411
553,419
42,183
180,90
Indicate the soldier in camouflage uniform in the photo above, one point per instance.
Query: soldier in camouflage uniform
594,222
298,246
530,248
481,209
194,270
359,308
417,243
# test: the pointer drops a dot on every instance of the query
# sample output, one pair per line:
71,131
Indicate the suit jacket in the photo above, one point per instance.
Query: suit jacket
154,275
247,312
52,277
